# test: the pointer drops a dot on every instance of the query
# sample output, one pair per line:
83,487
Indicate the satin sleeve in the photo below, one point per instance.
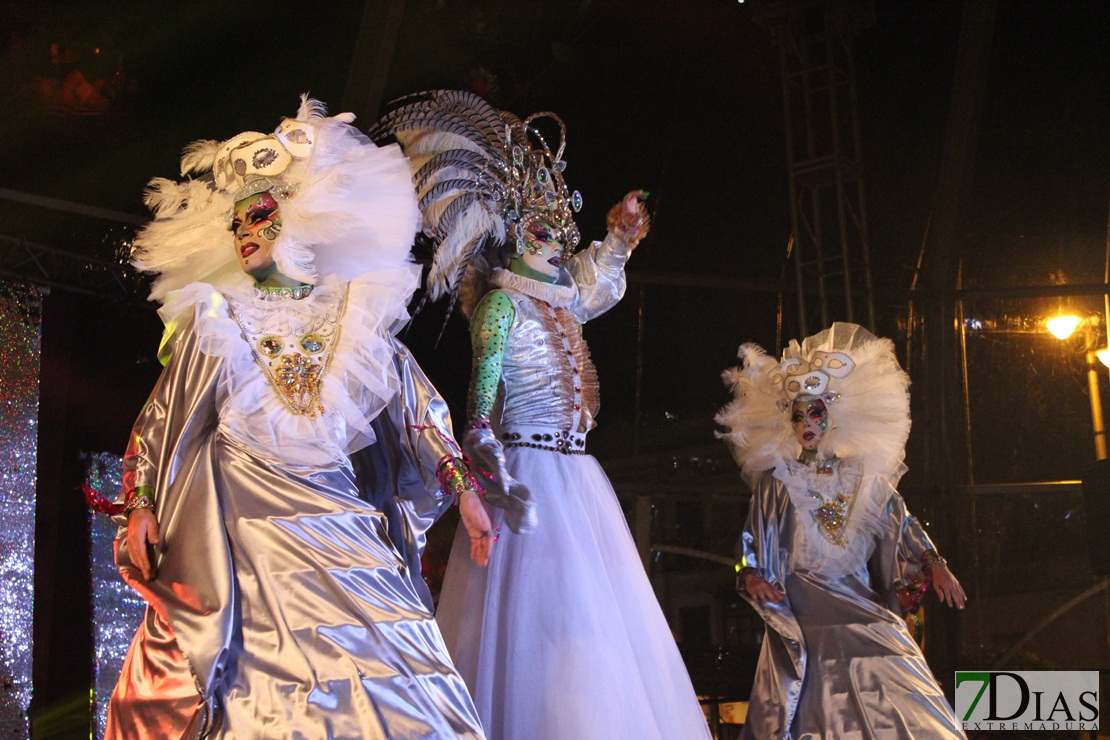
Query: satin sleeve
598,271
903,543
761,544
398,472
915,541
180,412
193,593
764,545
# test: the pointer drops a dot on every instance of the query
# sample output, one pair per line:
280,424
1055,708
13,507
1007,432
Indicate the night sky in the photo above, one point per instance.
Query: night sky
683,99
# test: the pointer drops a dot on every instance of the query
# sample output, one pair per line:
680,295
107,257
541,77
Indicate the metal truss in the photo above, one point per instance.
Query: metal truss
831,254
26,261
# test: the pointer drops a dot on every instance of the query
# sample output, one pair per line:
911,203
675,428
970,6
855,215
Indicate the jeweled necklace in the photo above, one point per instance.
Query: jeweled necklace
295,370
279,292
833,514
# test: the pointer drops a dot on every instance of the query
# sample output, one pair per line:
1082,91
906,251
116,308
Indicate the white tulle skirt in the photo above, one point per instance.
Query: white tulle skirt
562,636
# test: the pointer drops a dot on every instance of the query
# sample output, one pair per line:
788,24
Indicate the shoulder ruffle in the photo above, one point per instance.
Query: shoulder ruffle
560,294
215,329
363,370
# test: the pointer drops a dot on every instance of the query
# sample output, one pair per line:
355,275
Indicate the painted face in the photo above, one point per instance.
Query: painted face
810,419
256,226
543,252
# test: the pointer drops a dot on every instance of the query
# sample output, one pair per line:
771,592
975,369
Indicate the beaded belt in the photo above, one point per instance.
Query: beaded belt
544,438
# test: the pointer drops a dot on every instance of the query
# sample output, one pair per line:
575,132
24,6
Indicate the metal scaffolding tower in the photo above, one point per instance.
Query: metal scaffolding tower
831,255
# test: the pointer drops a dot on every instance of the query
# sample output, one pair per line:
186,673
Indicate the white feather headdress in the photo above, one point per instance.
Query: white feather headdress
858,376
347,205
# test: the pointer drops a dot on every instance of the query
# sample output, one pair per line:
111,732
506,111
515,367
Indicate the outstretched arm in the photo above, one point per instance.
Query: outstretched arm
598,270
917,548
948,589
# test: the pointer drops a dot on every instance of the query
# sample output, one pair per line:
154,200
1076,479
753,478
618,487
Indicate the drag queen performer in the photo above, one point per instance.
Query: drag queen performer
280,479
562,636
828,544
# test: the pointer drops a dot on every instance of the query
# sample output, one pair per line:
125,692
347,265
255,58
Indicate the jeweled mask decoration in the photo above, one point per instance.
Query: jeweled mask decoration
796,377
253,162
536,188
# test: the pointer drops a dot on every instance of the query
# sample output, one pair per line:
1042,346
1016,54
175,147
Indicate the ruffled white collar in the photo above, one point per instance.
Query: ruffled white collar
340,328
559,294
791,470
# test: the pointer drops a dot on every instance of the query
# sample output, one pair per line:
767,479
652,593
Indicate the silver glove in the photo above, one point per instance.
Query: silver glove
487,463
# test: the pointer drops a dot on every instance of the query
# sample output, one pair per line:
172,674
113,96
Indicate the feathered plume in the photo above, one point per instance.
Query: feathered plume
471,164
459,148
869,410
351,211
312,111
198,156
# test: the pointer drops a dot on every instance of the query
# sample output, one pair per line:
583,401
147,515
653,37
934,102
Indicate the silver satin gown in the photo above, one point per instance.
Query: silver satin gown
288,601
837,659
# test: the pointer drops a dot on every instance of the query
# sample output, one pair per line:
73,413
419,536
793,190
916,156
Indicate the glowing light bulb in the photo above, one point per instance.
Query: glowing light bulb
1062,327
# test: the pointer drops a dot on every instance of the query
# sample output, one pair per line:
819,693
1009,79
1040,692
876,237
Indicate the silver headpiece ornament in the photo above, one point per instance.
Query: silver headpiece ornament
482,176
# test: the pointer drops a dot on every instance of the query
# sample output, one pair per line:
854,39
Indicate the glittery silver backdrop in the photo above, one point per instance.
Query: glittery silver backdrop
20,322
116,609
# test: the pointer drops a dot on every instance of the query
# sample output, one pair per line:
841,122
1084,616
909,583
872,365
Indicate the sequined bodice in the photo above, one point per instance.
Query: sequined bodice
294,345
547,376
838,516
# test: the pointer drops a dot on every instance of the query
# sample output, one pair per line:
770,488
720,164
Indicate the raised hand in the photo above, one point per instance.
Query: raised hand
629,219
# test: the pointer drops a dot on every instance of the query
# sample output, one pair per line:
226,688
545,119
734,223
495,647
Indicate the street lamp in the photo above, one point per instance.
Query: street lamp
1063,327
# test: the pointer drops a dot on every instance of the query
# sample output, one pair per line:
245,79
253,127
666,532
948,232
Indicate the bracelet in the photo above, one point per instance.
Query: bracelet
141,497
929,558
455,477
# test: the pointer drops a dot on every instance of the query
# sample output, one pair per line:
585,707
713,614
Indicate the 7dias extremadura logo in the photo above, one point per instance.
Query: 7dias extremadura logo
1027,700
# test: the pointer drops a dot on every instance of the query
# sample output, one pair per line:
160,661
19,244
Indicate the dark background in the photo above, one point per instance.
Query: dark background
683,99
